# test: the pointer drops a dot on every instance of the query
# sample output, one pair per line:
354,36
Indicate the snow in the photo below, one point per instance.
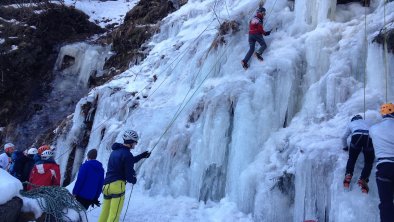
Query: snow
103,12
2,41
9,186
166,208
234,145
13,48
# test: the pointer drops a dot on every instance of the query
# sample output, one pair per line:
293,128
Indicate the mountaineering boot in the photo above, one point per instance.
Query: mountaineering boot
244,65
364,185
258,56
346,181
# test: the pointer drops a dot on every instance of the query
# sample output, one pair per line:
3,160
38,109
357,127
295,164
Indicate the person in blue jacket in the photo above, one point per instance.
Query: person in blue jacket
120,170
90,180
19,160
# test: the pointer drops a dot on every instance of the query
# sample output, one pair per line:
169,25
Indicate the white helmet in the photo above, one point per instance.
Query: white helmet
47,154
130,136
32,151
8,145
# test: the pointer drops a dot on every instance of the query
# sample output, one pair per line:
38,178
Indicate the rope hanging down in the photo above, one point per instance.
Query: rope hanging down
180,56
365,53
385,48
182,107
55,201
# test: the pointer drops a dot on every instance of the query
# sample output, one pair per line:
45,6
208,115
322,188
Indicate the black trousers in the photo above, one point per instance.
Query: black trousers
361,143
385,182
253,38
84,202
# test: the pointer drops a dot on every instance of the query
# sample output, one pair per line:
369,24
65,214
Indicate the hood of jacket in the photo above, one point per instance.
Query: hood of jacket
95,165
117,146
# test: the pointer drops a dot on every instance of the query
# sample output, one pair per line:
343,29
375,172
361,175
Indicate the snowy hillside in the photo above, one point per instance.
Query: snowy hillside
256,145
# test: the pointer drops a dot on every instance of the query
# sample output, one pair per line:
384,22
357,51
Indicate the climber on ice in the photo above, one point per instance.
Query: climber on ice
382,135
360,142
256,33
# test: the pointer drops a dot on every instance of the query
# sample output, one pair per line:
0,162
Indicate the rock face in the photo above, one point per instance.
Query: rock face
363,2
389,36
30,39
11,210
139,25
29,42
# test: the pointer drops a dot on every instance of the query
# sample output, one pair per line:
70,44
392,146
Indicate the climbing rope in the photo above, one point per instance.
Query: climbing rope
269,14
128,203
182,107
55,202
180,56
385,48
365,53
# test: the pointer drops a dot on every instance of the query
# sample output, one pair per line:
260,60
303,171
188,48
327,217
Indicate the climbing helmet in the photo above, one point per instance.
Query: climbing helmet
356,117
387,108
8,147
130,136
47,154
32,151
42,149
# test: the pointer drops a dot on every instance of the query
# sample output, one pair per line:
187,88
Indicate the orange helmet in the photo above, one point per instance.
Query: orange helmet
386,109
42,149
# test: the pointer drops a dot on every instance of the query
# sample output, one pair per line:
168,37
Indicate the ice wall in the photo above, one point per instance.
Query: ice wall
85,61
269,138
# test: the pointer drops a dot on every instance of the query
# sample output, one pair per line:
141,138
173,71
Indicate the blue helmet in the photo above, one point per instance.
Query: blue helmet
356,117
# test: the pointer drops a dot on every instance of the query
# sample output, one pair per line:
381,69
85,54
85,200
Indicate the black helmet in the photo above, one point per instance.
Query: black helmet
356,117
261,10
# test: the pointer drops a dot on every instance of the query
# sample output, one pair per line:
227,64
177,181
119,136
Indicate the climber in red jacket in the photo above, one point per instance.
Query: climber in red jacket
256,33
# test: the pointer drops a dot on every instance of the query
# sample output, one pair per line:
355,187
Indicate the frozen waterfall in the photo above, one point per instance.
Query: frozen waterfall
267,139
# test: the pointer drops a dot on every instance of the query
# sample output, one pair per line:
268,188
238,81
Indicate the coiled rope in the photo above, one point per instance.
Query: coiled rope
55,201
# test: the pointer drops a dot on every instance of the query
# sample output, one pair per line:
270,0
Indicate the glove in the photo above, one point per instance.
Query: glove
346,148
267,33
96,202
134,180
145,154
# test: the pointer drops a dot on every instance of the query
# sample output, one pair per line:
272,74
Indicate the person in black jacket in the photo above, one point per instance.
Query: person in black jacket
120,170
90,181
28,165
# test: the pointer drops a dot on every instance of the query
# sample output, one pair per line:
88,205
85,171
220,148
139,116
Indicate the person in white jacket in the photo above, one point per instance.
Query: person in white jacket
5,158
360,142
382,135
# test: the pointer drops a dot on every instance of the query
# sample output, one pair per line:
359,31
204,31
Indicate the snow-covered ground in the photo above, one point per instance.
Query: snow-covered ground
262,144
9,186
103,13
142,207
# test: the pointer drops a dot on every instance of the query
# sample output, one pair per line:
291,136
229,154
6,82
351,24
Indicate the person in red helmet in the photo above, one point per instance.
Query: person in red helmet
46,173
256,33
